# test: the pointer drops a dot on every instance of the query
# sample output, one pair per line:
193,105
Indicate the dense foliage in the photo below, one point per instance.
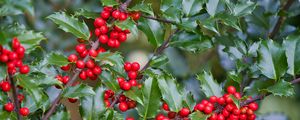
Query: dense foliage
260,43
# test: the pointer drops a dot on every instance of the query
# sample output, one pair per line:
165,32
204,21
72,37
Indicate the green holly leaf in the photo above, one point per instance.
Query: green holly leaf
112,115
128,24
153,30
146,8
80,90
243,9
282,88
61,115
93,107
209,86
11,7
86,13
57,59
109,2
170,92
151,98
166,4
158,61
292,50
7,115
233,75
191,42
198,116
189,100
71,24
3,72
211,7
109,81
135,94
192,7
272,60
114,61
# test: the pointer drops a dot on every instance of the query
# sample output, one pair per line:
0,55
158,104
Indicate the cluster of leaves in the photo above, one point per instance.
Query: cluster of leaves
262,65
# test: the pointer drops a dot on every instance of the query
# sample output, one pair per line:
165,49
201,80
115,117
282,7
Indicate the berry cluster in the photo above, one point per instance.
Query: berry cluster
226,107
132,73
183,113
124,102
13,60
112,36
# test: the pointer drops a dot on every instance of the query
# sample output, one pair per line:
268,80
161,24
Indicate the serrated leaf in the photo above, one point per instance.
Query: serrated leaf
192,7
282,88
86,13
135,94
292,50
146,8
61,115
30,39
115,60
153,30
109,2
158,61
211,7
272,60
151,98
243,9
80,90
173,13
71,24
109,81
93,107
209,86
198,116
57,59
189,100
191,42
232,75
170,92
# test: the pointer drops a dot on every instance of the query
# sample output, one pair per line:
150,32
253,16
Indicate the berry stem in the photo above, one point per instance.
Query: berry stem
159,19
281,19
15,96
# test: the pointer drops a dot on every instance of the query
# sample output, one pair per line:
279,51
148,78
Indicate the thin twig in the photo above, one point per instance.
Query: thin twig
281,19
159,19
15,96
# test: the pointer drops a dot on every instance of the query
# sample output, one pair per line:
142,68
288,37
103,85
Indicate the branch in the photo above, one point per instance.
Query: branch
260,97
15,96
57,99
160,19
281,19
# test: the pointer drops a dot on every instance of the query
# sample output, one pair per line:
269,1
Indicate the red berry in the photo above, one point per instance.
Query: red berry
12,56
225,113
93,53
10,64
97,70
129,118
204,102
72,58
80,64
15,43
208,109
123,106
123,16
90,64
103,29
122,98
107,103
5,86
3,58
229,100
99,22
116,14
103,39
120,80
125,86
9,107
20,50
243,117
20,97
117,44
131,104
171,115
220,117
65,68
107,8
159,117
184,112
250,112
200,107
133,82
114,34
253,106
231,89
105,14
11,70
89,73
229,107
210,104
80,48
135,15
101,50
122,37
165,107
24,111
236,111
214,116
97,31
65,79
237,95
82,75
72,100
135,66
132,75
24,69
251,117
117,29
84,54
126,31
213,99
111,42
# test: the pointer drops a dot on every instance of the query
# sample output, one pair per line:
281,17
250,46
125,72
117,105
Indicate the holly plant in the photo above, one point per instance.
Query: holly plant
260,43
